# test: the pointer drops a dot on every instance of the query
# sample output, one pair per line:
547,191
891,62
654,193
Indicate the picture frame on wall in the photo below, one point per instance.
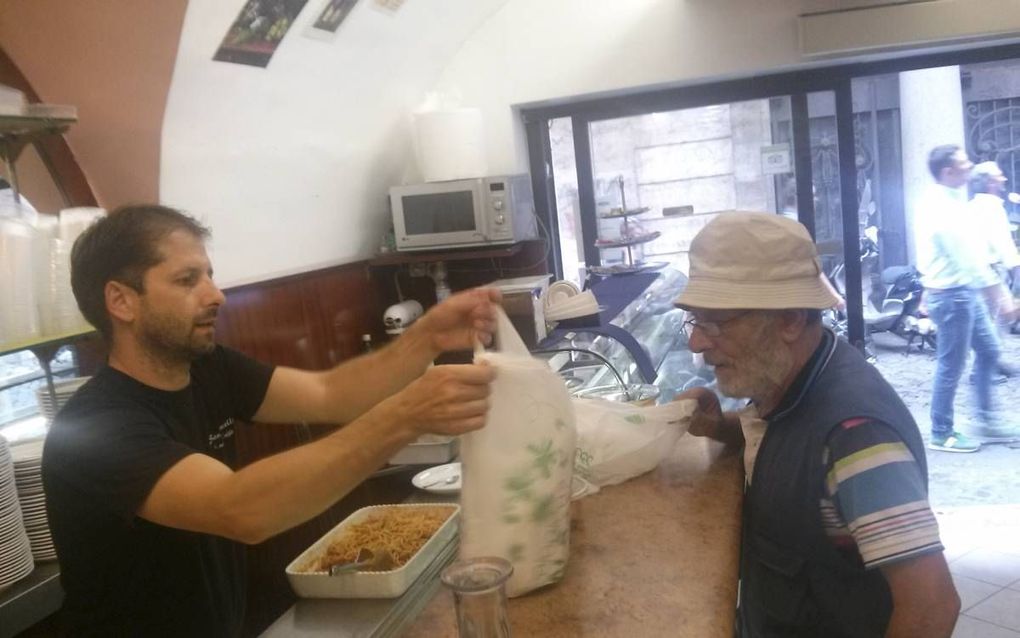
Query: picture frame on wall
329,19
388,6
257,31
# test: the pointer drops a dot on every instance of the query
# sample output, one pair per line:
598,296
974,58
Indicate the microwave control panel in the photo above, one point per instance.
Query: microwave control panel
509,209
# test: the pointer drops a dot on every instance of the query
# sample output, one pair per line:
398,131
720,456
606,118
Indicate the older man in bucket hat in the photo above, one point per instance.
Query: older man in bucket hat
839,539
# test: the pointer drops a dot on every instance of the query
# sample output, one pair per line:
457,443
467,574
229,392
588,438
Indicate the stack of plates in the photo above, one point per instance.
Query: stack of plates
28,477
64,389
15,551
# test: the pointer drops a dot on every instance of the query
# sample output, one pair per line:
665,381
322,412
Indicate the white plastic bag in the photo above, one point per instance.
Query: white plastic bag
517,470
618,441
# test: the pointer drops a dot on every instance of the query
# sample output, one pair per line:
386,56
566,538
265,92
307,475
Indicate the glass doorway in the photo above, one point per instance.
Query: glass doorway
656,179
838,117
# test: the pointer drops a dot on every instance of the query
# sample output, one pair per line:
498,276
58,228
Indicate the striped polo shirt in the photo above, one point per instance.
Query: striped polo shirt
877,504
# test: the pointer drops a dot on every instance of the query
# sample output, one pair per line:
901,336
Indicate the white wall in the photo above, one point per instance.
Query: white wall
538,51
290,164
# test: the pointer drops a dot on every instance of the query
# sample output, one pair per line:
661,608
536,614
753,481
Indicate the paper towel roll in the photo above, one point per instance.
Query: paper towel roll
451,144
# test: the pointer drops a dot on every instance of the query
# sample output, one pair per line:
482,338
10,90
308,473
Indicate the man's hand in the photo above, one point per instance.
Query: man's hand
709,420
455,323
707,416
447,399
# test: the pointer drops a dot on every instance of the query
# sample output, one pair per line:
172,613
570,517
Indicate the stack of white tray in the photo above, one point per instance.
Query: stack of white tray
15,551
28,477
64,390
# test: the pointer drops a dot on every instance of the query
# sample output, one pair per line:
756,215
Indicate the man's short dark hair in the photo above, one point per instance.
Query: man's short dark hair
979,183
121,247
941,158
982,176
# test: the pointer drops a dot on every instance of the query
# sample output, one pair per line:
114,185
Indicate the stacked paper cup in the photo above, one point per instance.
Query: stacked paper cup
44,275
74,221
35,273
58,310
18,317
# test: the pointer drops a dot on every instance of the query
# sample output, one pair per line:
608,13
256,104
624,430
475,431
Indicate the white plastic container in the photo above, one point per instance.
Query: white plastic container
389,584
428,449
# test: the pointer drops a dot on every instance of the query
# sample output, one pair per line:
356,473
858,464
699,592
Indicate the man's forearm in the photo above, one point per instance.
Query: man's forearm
925,602
201,494
920,623
284,490
355,386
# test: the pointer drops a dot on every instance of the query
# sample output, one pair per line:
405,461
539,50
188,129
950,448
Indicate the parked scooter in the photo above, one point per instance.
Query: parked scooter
892,298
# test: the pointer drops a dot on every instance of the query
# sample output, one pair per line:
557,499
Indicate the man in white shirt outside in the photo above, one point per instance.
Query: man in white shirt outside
953,262
988,213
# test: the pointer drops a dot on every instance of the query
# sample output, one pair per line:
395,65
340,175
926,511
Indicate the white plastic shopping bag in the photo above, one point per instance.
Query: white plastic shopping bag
516,471
618,441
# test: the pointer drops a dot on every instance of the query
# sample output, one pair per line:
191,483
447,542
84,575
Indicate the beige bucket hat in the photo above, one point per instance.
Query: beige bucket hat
757,261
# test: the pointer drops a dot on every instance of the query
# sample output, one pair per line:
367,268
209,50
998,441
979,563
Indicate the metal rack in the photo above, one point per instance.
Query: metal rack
626,240
18,131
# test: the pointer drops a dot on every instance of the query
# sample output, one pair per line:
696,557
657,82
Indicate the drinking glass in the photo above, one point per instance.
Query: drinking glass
479,596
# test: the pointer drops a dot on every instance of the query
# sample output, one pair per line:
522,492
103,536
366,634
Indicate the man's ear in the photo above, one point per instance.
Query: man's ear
792,324
121,301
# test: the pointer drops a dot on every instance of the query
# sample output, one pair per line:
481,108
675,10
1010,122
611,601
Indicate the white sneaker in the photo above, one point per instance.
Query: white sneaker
995,433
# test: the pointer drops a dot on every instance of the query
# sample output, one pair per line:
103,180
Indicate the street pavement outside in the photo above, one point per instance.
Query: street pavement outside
988,477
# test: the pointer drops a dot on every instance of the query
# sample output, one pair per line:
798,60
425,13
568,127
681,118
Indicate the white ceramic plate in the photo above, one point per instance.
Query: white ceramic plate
442,479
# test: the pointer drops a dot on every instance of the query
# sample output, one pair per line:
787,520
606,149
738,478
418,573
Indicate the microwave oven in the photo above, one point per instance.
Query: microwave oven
463,212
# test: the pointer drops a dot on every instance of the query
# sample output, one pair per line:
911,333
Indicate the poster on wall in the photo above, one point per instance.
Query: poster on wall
258,30
389,6
333,13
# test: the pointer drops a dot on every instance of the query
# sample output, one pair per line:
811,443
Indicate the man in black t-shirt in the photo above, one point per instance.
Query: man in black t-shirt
148,510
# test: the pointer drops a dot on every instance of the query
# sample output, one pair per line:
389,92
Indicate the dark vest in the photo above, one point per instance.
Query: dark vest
794,581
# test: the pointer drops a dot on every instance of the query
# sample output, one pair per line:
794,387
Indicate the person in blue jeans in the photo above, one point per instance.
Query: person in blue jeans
951,257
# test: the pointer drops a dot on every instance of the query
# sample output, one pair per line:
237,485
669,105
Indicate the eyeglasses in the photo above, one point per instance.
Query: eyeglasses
710,328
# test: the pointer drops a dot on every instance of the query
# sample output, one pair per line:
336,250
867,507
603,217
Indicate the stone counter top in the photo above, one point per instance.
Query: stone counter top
655,556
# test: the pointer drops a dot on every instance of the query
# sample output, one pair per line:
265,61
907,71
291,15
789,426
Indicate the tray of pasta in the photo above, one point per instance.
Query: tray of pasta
413,534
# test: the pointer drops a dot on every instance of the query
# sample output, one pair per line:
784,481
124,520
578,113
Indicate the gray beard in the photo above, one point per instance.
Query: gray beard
762,373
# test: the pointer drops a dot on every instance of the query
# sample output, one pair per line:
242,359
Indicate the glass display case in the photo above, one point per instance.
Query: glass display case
637,340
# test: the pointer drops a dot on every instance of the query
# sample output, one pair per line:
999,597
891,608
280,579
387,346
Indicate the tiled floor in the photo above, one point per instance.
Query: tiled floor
983,550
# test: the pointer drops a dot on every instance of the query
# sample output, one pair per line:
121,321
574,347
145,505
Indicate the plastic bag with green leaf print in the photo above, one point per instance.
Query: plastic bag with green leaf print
516,471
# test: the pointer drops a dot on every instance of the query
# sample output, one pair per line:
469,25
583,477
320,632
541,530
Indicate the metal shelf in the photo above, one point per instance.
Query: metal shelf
33,126
45,341
31,599
625,213
629,241
19,130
